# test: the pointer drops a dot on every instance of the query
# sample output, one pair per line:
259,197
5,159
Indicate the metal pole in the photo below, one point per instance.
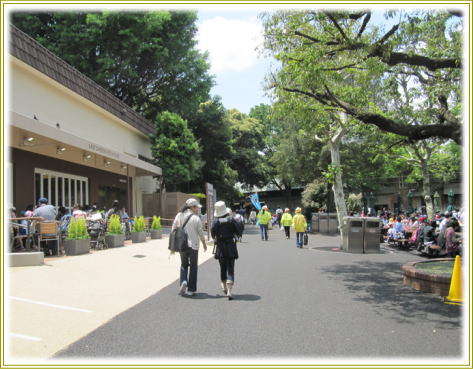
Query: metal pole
128,189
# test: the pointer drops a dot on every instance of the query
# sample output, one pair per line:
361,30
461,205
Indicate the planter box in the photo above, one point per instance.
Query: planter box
156,234
77,247
137,237
115,240
20,259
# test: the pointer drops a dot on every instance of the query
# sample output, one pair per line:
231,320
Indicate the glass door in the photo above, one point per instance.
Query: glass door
61,189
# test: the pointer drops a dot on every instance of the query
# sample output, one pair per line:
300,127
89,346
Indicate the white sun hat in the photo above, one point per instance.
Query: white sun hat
220,209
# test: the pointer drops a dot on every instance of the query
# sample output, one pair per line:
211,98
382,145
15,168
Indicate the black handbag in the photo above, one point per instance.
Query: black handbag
178,239
306,239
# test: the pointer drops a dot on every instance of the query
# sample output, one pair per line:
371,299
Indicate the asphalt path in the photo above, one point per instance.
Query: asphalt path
308,303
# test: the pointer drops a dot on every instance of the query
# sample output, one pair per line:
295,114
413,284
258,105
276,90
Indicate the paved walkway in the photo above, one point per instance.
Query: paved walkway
307,303
56,304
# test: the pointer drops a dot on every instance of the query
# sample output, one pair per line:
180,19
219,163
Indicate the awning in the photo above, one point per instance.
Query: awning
42,129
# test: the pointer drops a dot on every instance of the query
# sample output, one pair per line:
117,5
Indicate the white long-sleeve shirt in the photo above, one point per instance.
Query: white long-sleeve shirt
193,228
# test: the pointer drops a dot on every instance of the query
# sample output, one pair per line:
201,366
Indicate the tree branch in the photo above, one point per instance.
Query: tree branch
450,130
335,23
445,114
388,34
366,19
316,40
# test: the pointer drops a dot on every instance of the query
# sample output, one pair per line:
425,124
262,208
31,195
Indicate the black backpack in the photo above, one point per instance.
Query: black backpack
178,239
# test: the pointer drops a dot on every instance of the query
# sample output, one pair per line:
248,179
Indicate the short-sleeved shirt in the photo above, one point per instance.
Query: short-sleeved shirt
48,212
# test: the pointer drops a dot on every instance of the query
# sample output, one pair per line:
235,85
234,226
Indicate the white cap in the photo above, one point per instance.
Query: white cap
193,202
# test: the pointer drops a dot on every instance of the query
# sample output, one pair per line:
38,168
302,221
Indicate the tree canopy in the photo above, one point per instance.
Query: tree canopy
339,60
147,59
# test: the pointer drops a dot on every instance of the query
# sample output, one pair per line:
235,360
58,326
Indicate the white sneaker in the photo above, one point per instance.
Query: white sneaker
183,288
190,293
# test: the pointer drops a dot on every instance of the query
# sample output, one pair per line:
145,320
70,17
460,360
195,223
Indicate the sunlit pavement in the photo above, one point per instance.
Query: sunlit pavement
310,303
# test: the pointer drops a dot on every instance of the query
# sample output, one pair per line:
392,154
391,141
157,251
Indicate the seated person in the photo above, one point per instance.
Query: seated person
429,232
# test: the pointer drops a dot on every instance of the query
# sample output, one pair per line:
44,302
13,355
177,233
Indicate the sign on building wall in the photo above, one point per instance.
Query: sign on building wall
209,193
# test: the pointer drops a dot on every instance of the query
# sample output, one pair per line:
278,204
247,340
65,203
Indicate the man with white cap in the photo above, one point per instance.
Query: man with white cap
189,258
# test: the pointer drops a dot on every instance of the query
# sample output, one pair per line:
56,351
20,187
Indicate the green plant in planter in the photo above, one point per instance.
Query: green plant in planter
139,224
115,226
77,230
156,223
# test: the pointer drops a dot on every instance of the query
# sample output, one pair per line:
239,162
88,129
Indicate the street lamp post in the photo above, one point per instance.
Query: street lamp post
410,196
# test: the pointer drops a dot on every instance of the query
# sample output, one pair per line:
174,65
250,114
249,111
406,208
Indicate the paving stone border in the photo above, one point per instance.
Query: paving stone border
424,281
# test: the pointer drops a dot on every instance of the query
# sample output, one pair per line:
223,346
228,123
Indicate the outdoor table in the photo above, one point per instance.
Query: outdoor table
18,226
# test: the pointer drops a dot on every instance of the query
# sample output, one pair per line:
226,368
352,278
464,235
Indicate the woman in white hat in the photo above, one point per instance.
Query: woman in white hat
225,232
195,233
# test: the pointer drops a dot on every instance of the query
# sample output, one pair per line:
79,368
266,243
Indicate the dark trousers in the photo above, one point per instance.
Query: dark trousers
287,229
264,231
300,239
189,259
227,269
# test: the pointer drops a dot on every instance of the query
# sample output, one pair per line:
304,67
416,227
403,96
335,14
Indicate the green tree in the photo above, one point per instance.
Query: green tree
247,145
339,60
175,149
147,59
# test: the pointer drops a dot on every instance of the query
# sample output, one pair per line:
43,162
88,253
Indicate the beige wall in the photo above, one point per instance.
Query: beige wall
36,94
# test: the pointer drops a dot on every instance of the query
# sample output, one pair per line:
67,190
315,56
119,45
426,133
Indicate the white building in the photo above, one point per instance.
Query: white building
71,140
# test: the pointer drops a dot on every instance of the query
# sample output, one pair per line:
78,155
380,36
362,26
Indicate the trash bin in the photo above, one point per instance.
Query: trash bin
323,223
371,235
315,223
332,223
352,229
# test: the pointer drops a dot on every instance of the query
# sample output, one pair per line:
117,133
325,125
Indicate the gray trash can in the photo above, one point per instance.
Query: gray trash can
315,223
371,235
352,229
332,223
323,223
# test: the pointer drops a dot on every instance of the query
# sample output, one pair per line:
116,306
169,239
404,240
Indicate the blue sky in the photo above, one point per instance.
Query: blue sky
231,37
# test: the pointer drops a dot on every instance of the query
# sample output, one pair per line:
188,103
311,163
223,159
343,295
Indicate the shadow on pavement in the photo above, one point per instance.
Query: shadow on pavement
244,297
381,286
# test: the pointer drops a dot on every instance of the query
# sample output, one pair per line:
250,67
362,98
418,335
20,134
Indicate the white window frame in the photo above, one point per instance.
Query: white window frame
79,179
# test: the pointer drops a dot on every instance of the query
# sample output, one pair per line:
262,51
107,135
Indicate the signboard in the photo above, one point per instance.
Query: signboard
209,193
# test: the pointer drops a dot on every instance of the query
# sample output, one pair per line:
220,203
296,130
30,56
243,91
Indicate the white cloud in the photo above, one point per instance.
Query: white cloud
231,43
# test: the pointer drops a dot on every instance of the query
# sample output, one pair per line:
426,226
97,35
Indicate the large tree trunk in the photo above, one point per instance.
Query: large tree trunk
429,204
337,186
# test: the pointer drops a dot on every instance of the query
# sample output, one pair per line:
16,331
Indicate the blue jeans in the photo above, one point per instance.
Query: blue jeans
299,239
264,231
189,259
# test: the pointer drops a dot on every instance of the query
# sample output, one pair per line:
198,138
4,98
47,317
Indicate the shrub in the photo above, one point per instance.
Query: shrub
77,230
115,225
139,224
156,224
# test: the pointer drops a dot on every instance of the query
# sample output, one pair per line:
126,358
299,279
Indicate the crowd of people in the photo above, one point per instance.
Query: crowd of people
443,233
45,212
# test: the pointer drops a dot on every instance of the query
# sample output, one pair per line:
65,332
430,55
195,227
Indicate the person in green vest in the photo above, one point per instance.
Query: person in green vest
286,222
264,217
300,226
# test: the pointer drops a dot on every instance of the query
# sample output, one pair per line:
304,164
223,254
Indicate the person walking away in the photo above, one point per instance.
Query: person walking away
264,217
286,221
253,217
240,222
300,226
279,213
189,258
225,231
308,217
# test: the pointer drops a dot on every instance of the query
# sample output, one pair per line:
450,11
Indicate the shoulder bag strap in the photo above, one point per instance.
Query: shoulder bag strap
185,223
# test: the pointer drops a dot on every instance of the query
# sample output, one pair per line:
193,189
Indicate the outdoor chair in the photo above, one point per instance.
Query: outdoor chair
48,231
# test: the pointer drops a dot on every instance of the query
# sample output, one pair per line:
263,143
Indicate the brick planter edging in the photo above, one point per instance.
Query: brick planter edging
426,282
